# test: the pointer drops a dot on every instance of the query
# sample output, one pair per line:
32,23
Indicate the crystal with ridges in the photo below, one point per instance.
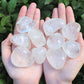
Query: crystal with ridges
53,25
71,48
39,54
37,37
56,58
21,57
25,24
55,41
71,31
21,40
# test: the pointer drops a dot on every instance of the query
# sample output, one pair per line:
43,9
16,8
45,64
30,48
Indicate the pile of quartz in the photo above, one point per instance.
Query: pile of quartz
29,44
61,41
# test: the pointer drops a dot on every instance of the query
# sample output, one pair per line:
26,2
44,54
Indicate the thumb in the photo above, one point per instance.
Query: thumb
6,48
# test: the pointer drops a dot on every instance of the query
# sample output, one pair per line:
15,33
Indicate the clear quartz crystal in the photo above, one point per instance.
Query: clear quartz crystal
55,41
71,31
25,24
53,25
37,37
39,54
71,48
21,40
56,58
21,57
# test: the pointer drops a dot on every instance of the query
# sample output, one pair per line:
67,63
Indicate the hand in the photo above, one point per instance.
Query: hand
68,73
28,75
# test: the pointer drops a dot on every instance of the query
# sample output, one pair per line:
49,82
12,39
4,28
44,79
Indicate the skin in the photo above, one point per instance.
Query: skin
68,73
32,75
28,75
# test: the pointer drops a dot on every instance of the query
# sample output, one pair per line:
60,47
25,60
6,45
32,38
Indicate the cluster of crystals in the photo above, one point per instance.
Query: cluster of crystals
61,41
24,55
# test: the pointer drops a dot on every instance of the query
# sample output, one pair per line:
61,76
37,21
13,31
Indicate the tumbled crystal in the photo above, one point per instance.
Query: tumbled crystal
55,41
21,40
53,25
25,24
37,37
71,48
71,31
21,57
56,58
39,54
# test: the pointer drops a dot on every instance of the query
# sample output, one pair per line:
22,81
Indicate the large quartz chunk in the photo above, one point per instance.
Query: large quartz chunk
71,48
25,24
21,57
53,25
71,31
55,41
37,37
39,54
21,40
56,58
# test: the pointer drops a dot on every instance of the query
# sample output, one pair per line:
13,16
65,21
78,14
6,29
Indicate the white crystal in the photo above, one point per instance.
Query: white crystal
53,25
71,31
21,57
25,24
55,41
37,37
71,48
56,58
39,54
21,40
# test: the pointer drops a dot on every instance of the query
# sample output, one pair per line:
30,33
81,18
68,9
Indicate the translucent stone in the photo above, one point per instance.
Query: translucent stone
25,24
71,31
39,54
53,25
55,41
56,58
21,40
37,37
21,57
71,48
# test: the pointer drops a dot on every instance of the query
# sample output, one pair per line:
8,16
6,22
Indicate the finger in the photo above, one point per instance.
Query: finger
6,48
41,25
69,15
80,40
37,17
47,18
55,13
31,10
61,11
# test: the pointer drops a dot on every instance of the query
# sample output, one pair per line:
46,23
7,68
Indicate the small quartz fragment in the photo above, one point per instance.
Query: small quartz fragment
71,31
39,54
56,58
55,41
53,25
21,57
71,48
37,37
25,24
21,40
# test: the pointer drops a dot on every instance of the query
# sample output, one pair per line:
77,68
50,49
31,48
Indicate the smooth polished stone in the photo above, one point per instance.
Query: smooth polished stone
71,48
21,40
52,25
25,24
21,57
71,31
37,37
56,58
55,41
39,54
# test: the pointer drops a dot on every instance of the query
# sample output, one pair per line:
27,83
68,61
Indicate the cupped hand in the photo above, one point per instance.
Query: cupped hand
68,73
28,75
